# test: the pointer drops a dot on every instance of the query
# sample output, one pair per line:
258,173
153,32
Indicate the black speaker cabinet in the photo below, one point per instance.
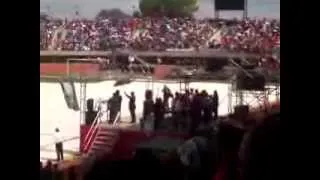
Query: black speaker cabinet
256,83
90,116
90,104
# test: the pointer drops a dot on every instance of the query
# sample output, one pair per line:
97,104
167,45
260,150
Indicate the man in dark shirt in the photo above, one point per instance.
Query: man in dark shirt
132,106
148,108
195,112
115,106
215,104
118,102
112,109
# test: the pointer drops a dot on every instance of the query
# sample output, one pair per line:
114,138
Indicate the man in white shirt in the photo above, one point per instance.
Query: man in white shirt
59,145
131,60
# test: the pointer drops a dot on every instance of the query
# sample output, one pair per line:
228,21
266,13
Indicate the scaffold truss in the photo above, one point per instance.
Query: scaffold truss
253,99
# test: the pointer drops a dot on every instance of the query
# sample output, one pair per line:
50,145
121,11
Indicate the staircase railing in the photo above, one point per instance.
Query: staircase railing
89,138
65,140
92,131
91,159
116,119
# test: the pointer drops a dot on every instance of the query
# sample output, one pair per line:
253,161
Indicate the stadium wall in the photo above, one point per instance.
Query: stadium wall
62,68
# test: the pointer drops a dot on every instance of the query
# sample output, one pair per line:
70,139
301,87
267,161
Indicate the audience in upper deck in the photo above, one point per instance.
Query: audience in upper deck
252,35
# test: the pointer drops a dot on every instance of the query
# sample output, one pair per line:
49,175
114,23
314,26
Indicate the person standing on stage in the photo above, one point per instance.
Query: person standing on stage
148,111
132,106
118,102
114,105
59,144
215,104
112,108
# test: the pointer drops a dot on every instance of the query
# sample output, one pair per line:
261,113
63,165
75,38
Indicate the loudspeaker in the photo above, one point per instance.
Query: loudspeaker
90,104
256,83
90,116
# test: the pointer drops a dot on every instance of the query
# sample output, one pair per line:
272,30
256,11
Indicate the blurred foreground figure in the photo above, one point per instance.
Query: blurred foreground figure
260,152
199,155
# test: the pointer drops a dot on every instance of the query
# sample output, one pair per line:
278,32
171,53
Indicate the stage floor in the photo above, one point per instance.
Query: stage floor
122,125
166,125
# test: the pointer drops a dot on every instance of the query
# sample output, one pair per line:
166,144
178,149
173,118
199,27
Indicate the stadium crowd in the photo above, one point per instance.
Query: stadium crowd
252,35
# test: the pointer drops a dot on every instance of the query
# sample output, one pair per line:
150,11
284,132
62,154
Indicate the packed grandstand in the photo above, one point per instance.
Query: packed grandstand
251,35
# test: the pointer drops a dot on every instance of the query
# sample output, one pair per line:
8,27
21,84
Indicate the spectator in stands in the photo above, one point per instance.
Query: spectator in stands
250,35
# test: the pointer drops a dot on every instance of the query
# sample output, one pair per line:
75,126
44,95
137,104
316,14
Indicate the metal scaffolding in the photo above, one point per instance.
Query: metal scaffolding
258,99
83,100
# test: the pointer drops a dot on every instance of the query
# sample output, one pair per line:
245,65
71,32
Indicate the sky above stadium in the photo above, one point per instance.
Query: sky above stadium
89,8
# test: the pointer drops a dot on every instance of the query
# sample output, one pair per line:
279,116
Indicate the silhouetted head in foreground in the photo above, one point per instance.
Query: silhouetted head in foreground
262,155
